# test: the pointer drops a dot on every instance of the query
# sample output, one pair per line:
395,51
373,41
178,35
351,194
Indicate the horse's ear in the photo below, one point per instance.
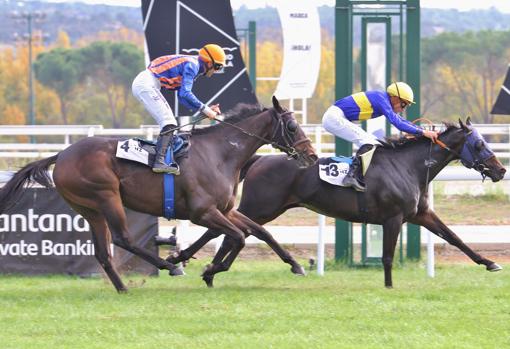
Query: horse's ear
276,104
468,121
462,126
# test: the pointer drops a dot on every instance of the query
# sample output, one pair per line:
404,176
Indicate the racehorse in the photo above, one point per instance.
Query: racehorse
97,184
397,190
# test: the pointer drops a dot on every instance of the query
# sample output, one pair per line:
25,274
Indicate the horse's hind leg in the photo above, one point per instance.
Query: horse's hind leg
101,238
431,221
113,211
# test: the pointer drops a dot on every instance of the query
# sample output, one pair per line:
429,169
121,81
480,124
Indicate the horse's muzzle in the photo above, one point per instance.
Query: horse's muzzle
497,174
494,169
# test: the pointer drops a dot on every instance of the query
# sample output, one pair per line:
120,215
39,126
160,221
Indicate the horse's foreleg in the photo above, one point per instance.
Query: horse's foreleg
115,215
262,234
431,221
189,252
391,229
214,219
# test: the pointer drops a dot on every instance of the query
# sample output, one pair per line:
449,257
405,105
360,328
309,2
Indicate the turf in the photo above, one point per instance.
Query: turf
260,304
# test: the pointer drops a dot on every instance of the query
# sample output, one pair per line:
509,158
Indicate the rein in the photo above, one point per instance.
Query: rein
290,150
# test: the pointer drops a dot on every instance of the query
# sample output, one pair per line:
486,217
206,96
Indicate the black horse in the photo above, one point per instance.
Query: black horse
397,182
97,184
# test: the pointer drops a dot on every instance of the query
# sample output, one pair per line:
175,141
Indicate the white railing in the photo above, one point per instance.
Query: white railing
315,132
323,140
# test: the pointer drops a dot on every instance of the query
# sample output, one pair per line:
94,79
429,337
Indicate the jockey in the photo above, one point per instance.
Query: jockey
363,106
175,72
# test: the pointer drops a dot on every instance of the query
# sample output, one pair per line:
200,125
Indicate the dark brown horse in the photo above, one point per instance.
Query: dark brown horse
397,183
97,184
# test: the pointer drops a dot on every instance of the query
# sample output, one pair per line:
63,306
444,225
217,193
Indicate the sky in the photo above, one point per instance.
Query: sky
463,5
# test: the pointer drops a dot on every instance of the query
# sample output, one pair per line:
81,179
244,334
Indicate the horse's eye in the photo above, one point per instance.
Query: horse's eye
479,145
292,126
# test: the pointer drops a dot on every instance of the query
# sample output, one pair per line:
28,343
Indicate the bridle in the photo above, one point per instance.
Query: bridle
476,163
289,148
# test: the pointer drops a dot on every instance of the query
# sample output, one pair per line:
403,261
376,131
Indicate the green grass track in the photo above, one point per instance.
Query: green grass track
261,305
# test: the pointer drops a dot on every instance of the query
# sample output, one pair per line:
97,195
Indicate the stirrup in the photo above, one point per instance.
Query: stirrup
170,169
352,182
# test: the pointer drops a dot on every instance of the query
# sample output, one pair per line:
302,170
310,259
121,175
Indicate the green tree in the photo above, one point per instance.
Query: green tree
111,67
61,70
462,73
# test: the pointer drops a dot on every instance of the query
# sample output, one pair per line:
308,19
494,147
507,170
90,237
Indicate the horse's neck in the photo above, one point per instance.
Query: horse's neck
237,146
426,161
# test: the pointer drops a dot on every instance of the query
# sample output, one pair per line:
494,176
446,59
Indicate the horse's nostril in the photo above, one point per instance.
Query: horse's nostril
503,170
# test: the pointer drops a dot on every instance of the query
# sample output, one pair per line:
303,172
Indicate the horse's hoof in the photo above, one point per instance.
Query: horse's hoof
208,280
389,287
494,267
177,271
173,258
298,270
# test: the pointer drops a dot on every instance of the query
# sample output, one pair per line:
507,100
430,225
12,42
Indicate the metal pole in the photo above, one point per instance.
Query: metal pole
31,111
320,246
343,87
252,40
322,218
430,243
412,69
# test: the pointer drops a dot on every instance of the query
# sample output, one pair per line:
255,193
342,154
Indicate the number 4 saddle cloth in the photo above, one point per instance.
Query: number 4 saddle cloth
144,151
334,169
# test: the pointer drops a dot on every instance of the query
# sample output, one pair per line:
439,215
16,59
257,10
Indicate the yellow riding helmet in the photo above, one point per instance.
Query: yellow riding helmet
214,54
402,91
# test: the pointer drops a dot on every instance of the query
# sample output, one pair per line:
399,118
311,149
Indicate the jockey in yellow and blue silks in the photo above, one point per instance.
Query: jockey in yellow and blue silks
338,120
175,72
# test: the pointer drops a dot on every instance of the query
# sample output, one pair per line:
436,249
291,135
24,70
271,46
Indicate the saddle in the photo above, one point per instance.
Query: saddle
144,151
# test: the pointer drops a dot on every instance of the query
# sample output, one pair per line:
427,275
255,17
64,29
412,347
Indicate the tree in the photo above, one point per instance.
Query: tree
112,67
463,73
61,70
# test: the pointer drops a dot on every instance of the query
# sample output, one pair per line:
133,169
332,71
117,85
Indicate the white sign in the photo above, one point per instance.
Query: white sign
302,48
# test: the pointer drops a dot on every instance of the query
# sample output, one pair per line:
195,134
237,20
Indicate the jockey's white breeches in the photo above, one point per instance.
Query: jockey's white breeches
146,88
335,122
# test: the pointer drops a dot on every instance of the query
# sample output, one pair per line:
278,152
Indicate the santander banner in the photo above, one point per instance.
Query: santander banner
41,234
301,49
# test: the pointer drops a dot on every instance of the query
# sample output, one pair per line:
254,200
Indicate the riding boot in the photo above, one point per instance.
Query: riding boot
165,139
354,177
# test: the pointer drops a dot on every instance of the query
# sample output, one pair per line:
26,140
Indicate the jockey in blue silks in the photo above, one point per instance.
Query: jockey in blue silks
175,72
338,120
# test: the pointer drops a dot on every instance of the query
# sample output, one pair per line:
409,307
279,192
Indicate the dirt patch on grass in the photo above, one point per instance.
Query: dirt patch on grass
444,253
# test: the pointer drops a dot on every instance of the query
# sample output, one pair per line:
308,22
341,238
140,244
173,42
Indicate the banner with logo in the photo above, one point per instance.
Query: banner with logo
183,27
502,105
41,234
301,49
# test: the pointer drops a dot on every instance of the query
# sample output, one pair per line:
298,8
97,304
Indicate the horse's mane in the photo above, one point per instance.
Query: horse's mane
399,142
240,112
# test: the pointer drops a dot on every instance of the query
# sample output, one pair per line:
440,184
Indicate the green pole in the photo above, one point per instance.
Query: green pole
413,79
252,40
343,87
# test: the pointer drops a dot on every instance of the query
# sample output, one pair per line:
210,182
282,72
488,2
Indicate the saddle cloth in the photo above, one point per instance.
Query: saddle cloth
334,169
144,151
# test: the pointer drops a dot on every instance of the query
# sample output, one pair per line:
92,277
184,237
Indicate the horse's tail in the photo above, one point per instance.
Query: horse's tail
247,166
36,171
